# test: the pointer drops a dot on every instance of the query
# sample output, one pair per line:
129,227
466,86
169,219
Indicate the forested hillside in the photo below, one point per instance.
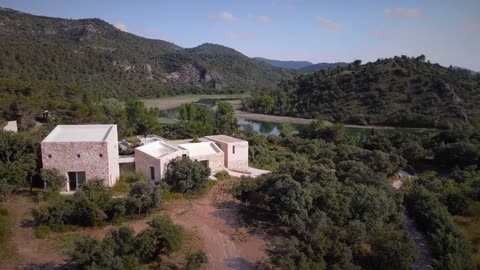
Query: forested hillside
399,91
111,63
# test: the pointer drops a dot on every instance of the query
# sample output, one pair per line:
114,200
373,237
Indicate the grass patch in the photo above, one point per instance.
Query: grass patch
65,242
470,227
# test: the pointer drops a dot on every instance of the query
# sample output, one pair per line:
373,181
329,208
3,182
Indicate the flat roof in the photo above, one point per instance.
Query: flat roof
201,148
157,149
224,138
186,141
79,133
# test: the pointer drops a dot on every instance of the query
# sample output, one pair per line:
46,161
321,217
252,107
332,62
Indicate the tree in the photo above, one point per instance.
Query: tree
225,121
53,179
162,237
196,260
139,117
143,197
187,176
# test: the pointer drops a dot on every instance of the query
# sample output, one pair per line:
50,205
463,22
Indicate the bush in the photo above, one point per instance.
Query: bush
196,260
187,176
131,178
121,249
222,175
5,225
42,231
143,197
121,187
53,180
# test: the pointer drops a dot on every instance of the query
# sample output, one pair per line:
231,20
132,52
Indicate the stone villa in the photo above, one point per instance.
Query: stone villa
83,152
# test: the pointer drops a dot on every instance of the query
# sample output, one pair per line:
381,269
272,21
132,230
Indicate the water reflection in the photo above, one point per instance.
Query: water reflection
266,128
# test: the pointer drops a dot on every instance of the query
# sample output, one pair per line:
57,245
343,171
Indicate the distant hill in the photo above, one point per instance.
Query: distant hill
111,63
323,66
301,66
399,91
285,64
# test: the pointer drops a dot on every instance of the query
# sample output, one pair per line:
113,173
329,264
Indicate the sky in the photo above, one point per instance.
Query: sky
446,31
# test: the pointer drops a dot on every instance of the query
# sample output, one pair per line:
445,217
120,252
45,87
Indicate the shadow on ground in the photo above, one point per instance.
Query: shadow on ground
239,263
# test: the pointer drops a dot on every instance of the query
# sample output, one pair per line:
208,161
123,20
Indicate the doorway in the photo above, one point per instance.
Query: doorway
204,163
76,180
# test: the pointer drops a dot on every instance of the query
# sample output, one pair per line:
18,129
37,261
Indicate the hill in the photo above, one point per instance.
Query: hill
399,91
322,66
301,66
285,64
111,63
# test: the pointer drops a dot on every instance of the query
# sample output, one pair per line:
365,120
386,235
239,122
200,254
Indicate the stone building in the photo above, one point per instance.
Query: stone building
152,159
235,152
81,153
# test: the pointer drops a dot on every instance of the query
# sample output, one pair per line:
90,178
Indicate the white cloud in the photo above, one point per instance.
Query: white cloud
407,13
328,24
223,16
121,26
264,19
239,36
393,33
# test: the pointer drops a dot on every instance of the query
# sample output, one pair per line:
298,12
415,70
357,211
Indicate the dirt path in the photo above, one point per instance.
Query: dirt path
215,218
212,220
30,252
420,240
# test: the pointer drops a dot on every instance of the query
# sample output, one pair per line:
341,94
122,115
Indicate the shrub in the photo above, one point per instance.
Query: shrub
142,197
42,231
53,179
222,175
121,187
131,178
196,260
187,176
5,225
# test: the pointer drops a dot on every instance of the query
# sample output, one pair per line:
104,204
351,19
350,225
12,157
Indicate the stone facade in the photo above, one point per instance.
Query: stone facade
98,159
235,154
144,161
215,161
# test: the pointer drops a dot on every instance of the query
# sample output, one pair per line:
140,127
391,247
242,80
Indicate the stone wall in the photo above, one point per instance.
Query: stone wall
90,157
215,161
113,166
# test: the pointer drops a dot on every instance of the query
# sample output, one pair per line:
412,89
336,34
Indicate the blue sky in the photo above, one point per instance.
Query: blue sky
446,31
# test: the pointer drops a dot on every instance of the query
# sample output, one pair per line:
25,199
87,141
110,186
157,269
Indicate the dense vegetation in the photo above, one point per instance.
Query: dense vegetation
94,205
110,63
122,249
187,176
399,91
335,201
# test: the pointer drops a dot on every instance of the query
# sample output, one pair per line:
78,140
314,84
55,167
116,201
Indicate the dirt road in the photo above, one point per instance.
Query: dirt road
215,218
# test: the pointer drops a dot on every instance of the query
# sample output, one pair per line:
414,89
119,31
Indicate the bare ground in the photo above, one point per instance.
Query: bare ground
212,221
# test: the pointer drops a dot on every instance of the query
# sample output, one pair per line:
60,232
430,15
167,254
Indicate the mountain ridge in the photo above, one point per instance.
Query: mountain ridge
301,66
108,62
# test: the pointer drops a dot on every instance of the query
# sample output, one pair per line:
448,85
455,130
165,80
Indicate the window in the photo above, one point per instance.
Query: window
152,173
49,156
233,149
78,155
101,155
76,180
184,155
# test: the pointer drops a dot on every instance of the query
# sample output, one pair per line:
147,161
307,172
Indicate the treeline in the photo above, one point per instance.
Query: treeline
398,91
198,121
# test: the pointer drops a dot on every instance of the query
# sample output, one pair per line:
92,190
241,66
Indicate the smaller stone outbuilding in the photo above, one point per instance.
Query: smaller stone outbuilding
81,153
152,159
235,151
206,153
